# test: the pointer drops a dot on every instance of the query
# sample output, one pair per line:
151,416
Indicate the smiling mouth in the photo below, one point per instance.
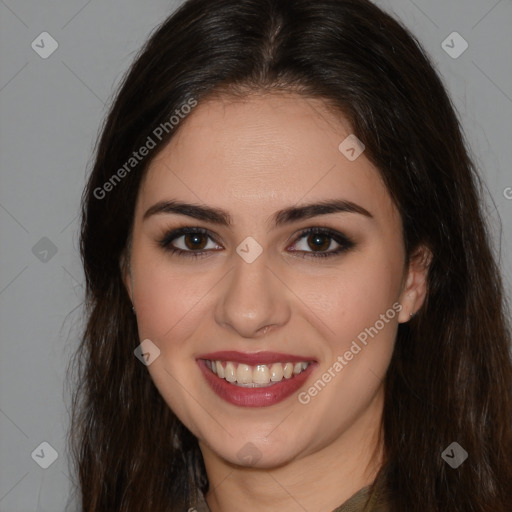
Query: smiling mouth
255,376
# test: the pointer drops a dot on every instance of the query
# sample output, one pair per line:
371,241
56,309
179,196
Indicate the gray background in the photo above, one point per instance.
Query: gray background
51,110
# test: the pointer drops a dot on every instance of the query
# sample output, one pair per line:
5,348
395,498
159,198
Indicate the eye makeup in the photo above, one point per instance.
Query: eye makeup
318,236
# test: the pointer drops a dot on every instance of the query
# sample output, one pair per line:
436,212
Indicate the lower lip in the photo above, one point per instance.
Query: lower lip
254,397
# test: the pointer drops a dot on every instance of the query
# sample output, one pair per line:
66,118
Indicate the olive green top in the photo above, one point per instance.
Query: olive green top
356,503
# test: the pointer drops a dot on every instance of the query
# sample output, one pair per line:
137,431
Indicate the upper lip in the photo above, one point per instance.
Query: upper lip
254,358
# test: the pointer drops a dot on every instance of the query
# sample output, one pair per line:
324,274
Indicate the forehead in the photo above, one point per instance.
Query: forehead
262,152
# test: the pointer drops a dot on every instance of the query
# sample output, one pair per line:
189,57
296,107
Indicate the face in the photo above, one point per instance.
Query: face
262,280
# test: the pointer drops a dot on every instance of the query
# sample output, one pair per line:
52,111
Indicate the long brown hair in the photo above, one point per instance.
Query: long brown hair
450,378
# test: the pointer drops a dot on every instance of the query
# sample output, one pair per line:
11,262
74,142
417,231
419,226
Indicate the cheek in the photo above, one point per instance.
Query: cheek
352,297
170,306
168,301
358,315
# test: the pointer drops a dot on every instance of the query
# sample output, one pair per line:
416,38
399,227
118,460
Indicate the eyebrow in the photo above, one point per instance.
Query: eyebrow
281,217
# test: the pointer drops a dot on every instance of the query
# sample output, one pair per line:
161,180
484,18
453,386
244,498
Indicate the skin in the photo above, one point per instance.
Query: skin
253,157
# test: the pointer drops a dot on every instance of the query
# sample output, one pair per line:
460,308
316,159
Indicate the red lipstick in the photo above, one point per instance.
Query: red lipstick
255,396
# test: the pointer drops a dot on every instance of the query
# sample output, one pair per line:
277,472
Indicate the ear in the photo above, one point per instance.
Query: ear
124,267
414,289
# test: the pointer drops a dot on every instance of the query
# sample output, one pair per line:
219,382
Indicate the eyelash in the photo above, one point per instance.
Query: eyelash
344,242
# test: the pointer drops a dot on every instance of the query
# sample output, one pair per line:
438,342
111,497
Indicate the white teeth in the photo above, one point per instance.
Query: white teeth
276,372
260,375
230,372
244,374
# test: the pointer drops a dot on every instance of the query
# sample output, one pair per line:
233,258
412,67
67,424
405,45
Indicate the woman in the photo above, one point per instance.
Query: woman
291,298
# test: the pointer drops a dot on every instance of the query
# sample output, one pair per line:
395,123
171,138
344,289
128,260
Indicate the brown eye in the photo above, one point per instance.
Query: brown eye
187,241
195,241
319,241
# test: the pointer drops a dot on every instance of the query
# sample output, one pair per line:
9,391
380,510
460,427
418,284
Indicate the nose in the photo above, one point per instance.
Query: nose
253,300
